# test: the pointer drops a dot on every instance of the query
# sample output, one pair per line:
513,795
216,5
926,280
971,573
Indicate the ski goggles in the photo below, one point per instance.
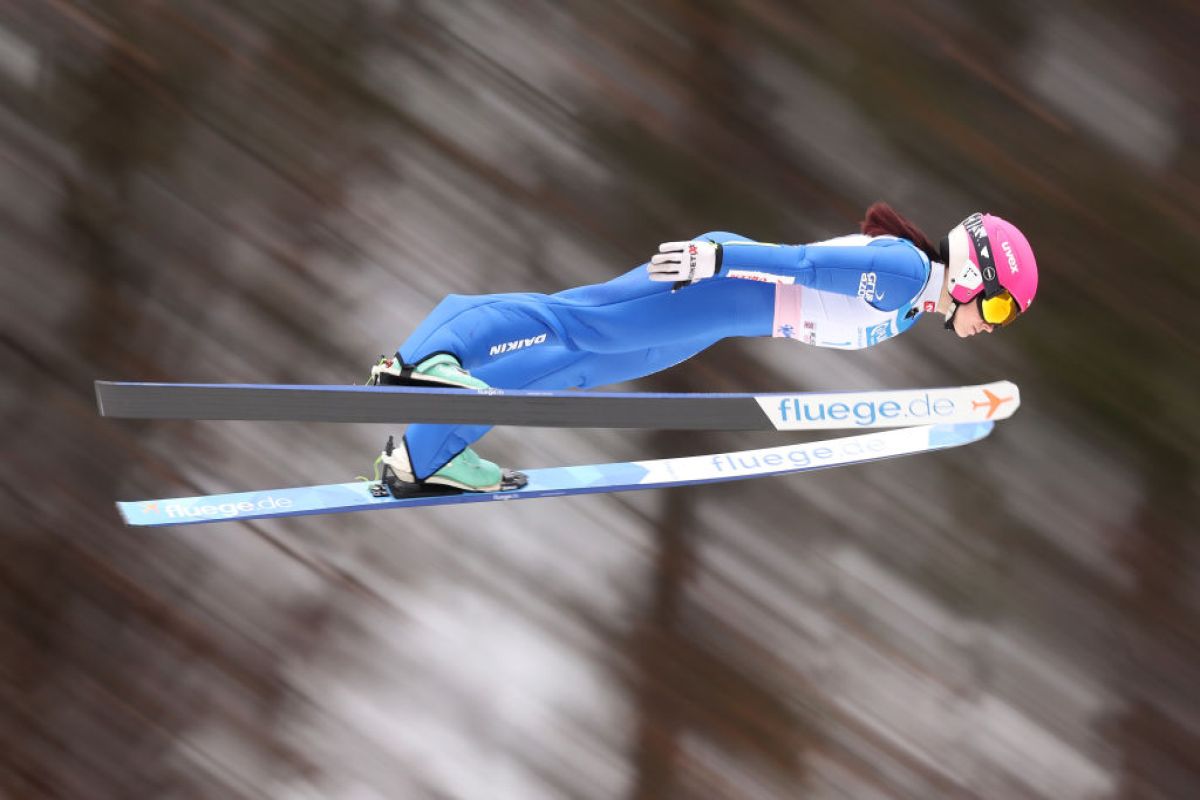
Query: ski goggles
999,310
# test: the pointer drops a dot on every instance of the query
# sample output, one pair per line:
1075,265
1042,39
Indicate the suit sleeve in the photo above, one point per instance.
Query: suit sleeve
887,273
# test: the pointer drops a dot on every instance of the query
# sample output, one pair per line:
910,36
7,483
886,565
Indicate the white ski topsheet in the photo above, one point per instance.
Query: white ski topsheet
891,409
561,481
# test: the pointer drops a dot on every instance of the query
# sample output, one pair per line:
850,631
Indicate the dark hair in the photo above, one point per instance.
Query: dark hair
883,220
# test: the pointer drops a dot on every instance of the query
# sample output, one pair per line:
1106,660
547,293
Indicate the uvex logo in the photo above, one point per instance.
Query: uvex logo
1012,259
516,344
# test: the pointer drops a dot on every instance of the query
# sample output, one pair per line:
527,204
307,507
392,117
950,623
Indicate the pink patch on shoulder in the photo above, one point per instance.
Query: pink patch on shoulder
787,311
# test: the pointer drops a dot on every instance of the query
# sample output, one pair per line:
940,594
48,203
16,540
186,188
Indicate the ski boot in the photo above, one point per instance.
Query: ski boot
466,472
442,370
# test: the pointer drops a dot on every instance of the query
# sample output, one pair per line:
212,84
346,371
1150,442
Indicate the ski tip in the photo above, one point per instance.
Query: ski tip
959,434
1000,400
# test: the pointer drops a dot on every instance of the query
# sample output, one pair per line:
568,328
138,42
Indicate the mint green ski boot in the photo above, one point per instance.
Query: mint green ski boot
442,370
466,472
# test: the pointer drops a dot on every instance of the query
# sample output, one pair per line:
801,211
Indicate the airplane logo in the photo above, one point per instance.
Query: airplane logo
149,507
992,403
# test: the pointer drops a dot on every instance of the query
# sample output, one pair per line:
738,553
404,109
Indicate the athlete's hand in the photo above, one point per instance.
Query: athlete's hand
685,262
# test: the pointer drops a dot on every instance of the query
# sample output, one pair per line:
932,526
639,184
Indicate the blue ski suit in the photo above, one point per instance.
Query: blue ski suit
849,292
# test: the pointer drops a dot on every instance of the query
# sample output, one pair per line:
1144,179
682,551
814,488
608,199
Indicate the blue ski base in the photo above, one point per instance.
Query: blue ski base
563,481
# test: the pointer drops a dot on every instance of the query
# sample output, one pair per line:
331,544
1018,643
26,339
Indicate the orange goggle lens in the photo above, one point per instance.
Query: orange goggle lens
998,310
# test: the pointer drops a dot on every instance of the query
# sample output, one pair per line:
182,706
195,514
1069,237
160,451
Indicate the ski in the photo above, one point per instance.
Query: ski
562,481
573,409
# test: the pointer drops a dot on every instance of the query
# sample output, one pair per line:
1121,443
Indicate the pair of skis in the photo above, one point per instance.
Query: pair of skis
923,420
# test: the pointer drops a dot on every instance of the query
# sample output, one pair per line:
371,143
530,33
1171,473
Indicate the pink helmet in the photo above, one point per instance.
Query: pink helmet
987,254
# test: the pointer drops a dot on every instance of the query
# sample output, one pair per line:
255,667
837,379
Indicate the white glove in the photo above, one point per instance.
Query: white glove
685,262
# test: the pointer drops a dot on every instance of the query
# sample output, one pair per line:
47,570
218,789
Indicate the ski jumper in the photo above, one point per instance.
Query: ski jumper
850,292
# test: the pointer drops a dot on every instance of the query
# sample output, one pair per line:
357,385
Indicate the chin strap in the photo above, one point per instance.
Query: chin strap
944,251
950,315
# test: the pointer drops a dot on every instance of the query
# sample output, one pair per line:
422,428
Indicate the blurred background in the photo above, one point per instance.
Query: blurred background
279,190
